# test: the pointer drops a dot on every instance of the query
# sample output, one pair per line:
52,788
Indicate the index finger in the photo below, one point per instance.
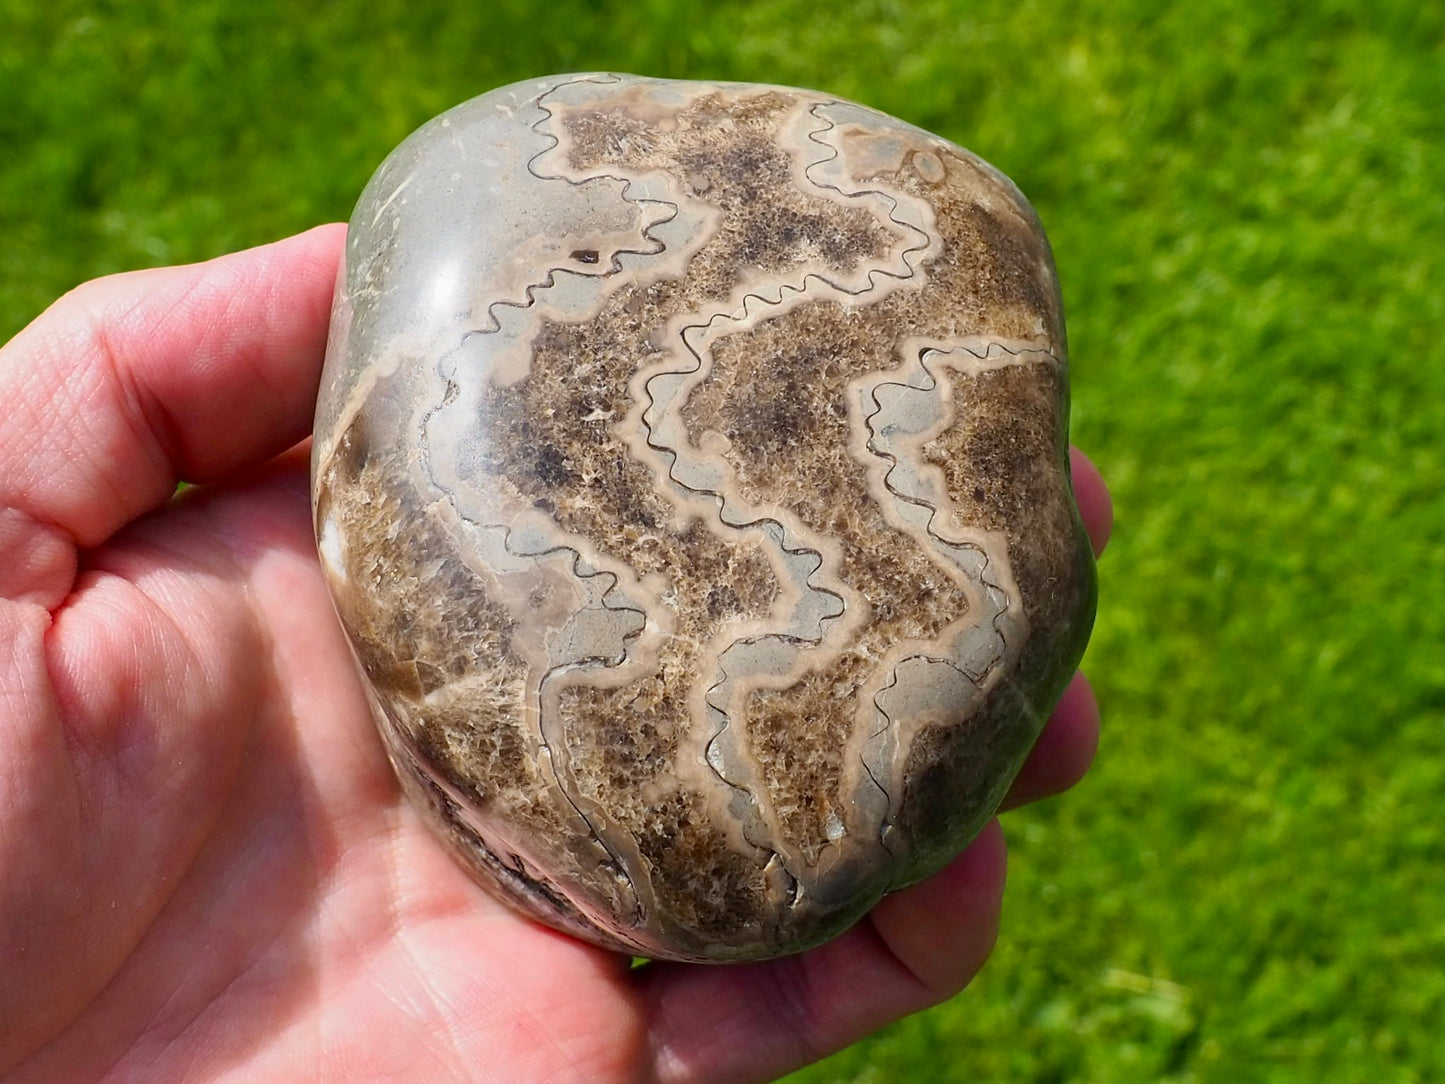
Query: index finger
130,383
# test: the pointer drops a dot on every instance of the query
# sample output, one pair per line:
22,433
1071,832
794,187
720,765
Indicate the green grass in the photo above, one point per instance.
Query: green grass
1248,210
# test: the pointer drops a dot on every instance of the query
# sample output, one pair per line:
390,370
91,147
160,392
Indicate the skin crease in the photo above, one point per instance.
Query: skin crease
209,870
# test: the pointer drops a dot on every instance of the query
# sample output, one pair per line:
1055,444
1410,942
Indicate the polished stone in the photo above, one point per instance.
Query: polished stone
691,480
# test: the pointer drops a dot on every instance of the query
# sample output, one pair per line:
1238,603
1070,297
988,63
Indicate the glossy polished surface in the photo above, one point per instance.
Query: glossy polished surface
691,480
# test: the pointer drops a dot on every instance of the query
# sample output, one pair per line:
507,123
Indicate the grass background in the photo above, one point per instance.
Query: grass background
1247,203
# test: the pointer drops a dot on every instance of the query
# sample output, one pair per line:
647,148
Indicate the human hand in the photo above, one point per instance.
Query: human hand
209,871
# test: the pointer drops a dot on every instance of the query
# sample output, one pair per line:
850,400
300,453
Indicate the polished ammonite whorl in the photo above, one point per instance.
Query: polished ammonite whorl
691,479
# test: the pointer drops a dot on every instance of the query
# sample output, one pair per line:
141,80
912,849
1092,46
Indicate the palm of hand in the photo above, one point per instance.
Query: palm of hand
209,868
253,861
